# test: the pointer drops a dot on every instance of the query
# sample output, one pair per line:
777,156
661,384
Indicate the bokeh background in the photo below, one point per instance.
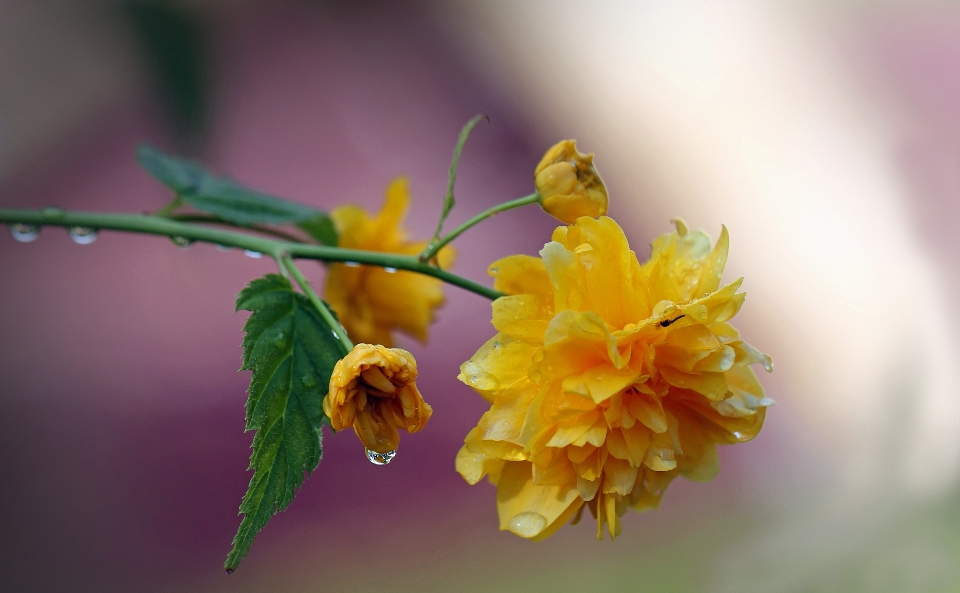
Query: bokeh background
825,135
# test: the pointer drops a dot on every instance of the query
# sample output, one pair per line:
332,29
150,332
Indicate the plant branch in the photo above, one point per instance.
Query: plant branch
209,219
287,262
435,246
155,225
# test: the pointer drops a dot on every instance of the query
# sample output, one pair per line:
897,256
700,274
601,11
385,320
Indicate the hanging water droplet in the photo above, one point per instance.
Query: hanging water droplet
253,254
82,235
24,232
308,381
229,571
182,242
528,524
223,247
380,458
738,434
52,212
390,270
352,264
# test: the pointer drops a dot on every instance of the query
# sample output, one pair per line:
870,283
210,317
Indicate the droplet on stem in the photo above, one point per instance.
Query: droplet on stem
182,242
253,254
380,458
24,232
390,270
82,235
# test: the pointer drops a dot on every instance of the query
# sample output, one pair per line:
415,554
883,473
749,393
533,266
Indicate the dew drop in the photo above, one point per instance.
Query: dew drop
738,434
352,264
82,235
223,247
528,524
182,242
253,254
380,458
229,571
390,270
24,232
308,381
52,212
479,378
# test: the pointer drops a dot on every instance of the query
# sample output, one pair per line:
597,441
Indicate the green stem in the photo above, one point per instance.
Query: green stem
155,225
304,285
435,246
207,219
169,208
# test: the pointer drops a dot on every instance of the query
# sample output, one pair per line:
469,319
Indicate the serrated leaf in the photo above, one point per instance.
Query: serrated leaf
322,229
291,351
224,198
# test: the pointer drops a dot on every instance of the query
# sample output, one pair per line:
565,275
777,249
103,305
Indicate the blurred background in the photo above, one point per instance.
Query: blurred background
825,135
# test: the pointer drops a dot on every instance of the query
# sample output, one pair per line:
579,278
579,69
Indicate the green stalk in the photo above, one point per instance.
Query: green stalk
287,262
155,225
431,251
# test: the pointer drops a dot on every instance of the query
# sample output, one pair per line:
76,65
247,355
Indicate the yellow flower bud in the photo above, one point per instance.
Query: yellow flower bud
569,185
373,389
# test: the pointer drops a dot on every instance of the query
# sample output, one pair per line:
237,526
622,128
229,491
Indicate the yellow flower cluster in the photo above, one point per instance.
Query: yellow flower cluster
373,390
607,377
373,302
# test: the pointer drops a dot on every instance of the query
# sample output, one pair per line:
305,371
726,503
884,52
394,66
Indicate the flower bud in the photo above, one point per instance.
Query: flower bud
569,185
373,389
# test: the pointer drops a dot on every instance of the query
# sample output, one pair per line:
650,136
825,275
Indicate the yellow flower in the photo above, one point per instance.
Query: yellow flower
374,390
372,301
608,378
568,183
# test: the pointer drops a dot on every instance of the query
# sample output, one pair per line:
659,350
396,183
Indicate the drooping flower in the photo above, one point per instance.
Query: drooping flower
608,378
371,301
568,183
373,389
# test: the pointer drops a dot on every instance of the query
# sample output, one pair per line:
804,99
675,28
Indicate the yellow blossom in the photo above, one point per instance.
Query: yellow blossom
371,302
374,390
608,378
568,183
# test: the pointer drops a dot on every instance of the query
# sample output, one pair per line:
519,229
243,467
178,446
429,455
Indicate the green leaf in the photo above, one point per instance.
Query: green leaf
322,229
291,351
234,203
180,175
227,199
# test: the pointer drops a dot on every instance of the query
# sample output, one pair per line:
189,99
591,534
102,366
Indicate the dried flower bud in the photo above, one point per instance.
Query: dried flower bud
569,185
373,389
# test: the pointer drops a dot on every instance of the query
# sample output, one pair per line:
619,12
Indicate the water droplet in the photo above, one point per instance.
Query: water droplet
479,378
352,264
390,270
182,242
738,434
308,381
380,458
24,232
229,571
253,254
278,341
223,247
52,212
335,334
82,235
528,524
